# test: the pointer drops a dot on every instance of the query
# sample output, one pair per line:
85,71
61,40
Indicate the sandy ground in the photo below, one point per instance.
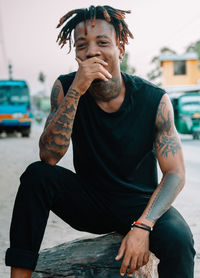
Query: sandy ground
17,153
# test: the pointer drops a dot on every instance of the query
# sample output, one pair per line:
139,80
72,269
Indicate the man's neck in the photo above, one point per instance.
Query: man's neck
108,95
105,91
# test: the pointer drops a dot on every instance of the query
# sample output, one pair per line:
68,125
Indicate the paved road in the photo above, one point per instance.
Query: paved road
16,153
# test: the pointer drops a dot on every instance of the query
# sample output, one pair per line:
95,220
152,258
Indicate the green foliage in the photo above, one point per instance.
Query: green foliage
194,47
41,77
125,67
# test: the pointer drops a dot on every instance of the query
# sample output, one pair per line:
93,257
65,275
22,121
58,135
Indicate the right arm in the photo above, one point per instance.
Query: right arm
55,139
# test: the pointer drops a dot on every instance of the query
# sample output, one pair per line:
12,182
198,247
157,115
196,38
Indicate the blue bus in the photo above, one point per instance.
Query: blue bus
15,107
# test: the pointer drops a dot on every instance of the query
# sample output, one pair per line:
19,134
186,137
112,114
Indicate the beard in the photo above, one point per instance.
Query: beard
105,90
98,81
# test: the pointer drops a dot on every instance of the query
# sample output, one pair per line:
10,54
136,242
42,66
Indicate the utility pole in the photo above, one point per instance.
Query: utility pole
2,47
10,72
42,79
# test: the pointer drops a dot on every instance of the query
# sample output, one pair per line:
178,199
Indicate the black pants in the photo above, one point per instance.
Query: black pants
44,188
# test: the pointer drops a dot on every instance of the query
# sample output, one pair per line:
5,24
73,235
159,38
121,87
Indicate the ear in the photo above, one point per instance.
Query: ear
121,47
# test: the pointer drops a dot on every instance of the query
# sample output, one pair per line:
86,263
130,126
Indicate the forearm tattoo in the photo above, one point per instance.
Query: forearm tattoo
58,128
166,138
168,190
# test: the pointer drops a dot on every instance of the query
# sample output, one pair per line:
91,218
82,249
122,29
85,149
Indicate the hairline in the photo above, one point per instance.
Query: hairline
88,20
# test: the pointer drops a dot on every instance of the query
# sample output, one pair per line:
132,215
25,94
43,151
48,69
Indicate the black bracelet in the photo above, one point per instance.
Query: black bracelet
143,228
142,224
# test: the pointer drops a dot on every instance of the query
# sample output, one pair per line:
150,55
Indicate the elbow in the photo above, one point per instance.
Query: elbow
47,159
177,177
49,155
180,173
182,182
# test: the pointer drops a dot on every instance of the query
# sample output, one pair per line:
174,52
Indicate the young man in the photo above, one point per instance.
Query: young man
119,125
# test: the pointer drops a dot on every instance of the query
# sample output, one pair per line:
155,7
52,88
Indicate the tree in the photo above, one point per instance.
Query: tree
42,79
10,71
194,47
155,73
125,67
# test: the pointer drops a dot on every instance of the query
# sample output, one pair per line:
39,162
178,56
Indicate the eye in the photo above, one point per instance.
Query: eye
103,42
82,45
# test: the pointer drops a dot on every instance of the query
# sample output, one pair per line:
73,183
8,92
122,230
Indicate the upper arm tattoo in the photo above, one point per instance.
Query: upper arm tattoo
166,141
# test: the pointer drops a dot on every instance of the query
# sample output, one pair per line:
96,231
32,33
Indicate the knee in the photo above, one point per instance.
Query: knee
34,173
181,238
178,238
36,168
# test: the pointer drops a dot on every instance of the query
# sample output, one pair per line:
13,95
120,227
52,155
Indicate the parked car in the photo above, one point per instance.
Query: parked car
187,113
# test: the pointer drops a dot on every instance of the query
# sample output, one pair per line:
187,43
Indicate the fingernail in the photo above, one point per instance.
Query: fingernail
130,275
116,257
122,274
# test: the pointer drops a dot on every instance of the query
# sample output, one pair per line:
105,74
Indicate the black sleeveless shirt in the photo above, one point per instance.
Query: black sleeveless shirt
114,152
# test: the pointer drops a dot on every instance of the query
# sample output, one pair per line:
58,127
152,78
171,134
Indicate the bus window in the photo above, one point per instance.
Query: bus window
13,95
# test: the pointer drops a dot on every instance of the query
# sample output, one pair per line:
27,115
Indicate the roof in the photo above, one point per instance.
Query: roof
182,88
12,83
175,57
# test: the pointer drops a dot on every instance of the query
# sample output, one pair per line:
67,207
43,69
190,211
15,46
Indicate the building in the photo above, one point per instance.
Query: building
180,73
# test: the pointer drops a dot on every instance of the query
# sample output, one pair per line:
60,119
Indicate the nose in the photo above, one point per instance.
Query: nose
92,51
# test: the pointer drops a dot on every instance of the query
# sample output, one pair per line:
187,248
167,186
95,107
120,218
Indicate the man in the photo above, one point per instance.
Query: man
119,124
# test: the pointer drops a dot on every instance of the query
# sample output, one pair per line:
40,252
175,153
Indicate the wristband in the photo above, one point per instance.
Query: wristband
141,226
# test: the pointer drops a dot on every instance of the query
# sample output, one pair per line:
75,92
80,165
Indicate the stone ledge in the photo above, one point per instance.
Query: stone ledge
88,258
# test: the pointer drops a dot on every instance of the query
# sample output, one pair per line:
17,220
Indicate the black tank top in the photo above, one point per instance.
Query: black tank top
114,152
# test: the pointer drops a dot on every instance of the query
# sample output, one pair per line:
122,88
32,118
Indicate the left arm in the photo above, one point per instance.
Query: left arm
135,246
170,158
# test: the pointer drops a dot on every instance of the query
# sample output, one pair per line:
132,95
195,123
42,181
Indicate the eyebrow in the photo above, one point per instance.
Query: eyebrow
97,37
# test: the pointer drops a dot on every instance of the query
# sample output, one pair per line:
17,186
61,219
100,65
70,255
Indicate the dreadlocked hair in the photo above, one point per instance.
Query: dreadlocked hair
113,16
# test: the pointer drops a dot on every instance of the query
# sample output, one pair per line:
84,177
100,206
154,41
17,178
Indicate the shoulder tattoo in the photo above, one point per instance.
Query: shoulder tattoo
167,140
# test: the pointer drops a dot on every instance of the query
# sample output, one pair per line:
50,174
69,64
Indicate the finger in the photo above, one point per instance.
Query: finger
97,60
146,258
125,264
100,76
140,262
121,251
106,73
78,60
100,68
132,266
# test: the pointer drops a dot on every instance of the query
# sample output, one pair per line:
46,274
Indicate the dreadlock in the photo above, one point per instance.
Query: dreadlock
111,15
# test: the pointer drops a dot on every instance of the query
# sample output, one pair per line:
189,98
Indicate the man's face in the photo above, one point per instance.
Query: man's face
99,42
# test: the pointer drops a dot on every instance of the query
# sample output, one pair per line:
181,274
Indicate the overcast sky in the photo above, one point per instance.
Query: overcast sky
28,34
